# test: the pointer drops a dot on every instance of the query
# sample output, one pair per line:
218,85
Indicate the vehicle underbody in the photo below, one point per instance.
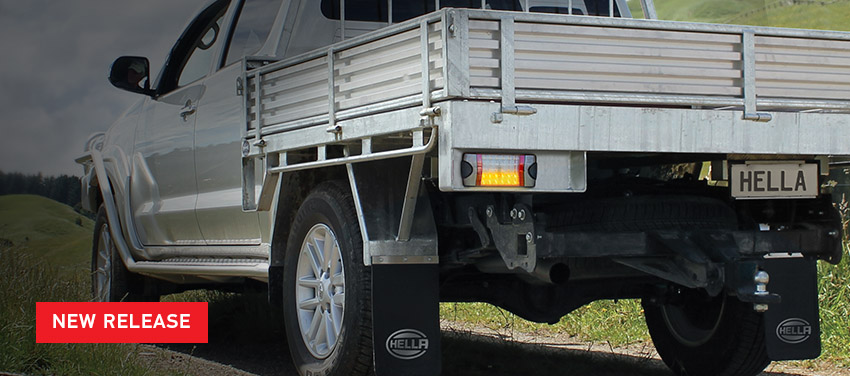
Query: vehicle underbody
626,237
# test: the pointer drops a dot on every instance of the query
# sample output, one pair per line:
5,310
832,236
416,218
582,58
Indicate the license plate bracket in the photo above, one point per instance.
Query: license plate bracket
774,179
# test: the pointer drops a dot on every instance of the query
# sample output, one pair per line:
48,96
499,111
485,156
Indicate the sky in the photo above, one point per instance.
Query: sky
54,65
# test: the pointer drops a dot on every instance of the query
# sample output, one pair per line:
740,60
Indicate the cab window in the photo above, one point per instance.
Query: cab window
198,64
579,7
255,22
191,57
376,10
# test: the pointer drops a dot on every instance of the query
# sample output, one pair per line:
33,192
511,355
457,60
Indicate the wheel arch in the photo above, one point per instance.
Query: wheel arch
293,190
382,187
95,193
91,197
106,194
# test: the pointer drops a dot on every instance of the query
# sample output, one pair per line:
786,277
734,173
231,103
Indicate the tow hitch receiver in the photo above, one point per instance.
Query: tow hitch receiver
792,327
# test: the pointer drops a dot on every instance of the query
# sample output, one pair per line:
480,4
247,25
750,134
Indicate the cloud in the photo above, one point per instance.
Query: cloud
56,56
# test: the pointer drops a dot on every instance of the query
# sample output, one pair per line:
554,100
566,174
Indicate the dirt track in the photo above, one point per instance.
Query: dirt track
466,351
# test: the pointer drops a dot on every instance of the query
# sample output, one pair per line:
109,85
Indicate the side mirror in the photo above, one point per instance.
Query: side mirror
131,73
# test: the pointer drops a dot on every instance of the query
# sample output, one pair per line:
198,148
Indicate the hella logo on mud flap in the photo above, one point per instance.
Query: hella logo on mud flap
794,330
407,344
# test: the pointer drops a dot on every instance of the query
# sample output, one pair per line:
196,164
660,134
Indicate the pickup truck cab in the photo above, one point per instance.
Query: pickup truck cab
366,159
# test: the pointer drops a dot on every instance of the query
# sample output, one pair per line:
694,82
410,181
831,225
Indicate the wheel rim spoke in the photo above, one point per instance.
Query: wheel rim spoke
314,260
320,290
330,329
309,283
339,299
336,316
338,280
319,252
329,245
321,333
309,304
313,332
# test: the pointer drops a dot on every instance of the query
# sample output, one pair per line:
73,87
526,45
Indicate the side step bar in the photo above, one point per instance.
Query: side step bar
219,268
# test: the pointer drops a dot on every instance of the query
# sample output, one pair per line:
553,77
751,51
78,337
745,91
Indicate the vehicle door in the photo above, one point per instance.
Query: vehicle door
218,133
164,190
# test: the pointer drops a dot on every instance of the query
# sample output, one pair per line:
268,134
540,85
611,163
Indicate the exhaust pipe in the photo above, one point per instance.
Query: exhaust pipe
548,272
556,273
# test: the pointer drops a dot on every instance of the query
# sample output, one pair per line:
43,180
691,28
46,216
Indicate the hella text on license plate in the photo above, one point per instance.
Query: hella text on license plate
774,180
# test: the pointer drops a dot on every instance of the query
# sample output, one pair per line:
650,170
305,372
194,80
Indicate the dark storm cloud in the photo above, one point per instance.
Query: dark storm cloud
54,59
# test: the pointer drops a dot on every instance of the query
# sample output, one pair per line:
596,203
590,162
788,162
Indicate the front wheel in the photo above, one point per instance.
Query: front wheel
326,287
111,281
699,335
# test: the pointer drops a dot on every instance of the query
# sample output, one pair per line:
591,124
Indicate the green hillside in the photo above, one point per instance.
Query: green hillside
52,231
835,16
806,14
45,253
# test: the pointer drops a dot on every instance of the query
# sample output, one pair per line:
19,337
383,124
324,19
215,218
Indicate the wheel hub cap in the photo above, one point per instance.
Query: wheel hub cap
696,322
320,291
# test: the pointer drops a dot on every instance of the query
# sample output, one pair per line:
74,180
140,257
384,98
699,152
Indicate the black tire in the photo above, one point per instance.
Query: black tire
111,281
328,209
701,336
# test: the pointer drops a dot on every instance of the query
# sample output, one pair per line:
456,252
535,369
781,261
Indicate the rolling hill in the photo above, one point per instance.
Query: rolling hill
806,14
50,230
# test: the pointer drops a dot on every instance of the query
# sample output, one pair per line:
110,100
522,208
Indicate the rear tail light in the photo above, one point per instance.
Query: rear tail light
499,170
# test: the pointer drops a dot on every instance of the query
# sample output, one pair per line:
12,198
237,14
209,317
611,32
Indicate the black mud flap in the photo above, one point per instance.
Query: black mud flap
792,327
406,319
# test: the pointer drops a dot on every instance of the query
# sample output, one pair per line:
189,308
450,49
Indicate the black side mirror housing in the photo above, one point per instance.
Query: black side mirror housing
131,73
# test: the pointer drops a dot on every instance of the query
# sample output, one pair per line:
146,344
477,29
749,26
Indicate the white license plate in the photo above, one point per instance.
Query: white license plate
754,180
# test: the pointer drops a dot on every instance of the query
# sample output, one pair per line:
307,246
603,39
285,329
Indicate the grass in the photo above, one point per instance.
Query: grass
617,323
45,258
835,311
27,280
45,253
49,230
706,11
825,15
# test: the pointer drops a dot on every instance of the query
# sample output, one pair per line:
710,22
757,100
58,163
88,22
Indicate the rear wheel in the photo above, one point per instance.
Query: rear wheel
701,335
326,287
111,281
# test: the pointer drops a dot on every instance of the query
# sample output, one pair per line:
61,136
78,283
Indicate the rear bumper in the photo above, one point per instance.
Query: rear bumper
719,246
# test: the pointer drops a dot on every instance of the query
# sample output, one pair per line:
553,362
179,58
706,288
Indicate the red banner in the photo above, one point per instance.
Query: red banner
121,322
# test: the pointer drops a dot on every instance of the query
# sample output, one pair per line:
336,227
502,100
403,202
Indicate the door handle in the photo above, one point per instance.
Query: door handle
188,110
